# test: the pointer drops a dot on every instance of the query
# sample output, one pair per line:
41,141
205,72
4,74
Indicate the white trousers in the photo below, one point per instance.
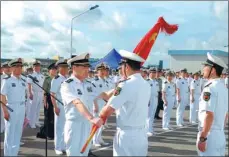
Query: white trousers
167,111
36,105
13,129
59,129
131,142
75,136
2,122
194,109
215,144
28,105
180,109
151,113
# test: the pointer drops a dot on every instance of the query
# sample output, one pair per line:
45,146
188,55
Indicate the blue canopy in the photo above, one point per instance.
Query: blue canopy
112,59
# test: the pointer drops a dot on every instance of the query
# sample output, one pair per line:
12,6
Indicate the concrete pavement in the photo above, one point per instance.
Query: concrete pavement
177,142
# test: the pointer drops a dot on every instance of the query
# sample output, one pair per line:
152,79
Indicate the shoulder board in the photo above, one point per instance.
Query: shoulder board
194,81
69,80
96,79
179,78
106,81
23,79
208,84
7,77
88,81
165,82
124,80
93,84
57,76
147,79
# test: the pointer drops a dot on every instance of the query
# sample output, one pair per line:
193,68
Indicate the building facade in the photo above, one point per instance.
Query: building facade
192,59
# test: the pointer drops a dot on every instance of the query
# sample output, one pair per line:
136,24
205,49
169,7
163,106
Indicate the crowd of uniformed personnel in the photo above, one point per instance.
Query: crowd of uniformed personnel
75,96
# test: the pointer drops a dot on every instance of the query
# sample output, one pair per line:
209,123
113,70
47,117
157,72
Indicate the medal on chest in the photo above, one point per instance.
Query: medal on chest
89,89
79,92
13,85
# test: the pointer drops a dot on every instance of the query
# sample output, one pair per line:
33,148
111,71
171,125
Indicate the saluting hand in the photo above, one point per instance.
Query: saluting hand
202,146
6,115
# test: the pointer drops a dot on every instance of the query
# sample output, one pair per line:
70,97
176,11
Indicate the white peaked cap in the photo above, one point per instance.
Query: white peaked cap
212,59
131,56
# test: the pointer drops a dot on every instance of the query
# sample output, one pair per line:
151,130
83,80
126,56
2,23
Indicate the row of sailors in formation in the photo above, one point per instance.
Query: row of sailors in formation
173,89
177,91
94,85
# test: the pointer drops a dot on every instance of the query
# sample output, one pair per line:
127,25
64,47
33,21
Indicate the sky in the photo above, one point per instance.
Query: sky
41,29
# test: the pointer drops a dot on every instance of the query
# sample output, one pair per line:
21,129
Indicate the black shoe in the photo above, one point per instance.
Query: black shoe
158,117
64,152
91,154
50,138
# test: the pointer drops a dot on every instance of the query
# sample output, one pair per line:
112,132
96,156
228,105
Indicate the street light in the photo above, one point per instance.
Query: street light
92,8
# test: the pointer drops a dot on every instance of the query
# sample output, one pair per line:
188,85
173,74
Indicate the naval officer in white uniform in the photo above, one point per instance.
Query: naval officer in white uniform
153,100
182,97
130,96
168,97
35,94
195,92
58,107
213,109
5,73
78,117
13,94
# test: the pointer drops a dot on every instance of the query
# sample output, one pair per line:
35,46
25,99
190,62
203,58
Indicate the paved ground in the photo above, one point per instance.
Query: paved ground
178,142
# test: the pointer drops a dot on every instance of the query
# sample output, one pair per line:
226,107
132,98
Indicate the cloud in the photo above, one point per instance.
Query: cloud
56,10
119,18
44,27
220,9
217,41
32,19
5,32
100,50
11,12
24,49
36,42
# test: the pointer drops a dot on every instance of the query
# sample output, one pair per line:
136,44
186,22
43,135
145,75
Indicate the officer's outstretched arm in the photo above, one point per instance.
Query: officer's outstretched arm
105,95
106,112
82,109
